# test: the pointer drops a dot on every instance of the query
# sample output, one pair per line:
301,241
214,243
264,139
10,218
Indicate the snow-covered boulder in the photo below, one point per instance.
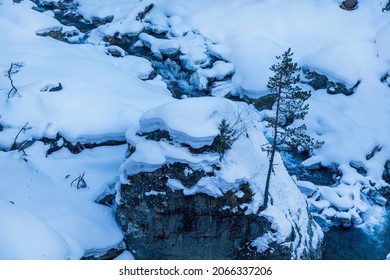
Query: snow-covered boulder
183,197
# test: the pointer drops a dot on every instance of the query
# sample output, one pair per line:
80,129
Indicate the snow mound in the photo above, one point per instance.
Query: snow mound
190,121
46,191
339,205
25,236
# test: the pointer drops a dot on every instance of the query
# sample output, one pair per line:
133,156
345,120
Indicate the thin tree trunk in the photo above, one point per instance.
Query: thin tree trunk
273,150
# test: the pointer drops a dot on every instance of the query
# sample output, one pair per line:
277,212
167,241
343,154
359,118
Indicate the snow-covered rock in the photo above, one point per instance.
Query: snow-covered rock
207,200
73,98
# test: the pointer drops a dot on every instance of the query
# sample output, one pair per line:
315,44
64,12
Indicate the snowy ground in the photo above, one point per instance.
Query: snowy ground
102,96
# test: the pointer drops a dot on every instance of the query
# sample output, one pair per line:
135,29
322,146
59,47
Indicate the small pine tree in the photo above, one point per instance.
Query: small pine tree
225,139
290,106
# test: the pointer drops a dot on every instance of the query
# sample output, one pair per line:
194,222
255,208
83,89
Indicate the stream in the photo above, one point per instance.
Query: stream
358,244
353,243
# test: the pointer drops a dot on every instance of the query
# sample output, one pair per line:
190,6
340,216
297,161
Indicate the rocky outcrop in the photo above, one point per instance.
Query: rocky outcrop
163,224
320,81
178,199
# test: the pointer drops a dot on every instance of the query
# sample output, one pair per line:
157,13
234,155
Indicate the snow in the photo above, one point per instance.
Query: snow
103,96
383,42
153,192
219,70
45,192
151,155
263,243
345,61
91,9
159,46
195,122
135,66
17,242
126,255
342,204
350,135
270,27
83,65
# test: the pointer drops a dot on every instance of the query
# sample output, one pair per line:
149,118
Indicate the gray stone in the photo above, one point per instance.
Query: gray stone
349,5
321,81
52,88
176,226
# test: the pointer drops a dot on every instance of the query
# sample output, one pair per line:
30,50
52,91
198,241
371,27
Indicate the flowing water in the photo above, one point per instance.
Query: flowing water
365,243
358,244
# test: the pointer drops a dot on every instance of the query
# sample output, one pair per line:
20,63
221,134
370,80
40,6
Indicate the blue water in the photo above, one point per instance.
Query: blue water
358,244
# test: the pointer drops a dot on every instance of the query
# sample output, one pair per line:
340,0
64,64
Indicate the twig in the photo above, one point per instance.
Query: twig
13,69
81,184
23,129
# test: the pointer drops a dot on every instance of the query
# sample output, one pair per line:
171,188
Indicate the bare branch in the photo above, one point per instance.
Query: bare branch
23,129
81,184
13,69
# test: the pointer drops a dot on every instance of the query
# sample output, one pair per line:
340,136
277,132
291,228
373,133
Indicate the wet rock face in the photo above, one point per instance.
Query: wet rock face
163,224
